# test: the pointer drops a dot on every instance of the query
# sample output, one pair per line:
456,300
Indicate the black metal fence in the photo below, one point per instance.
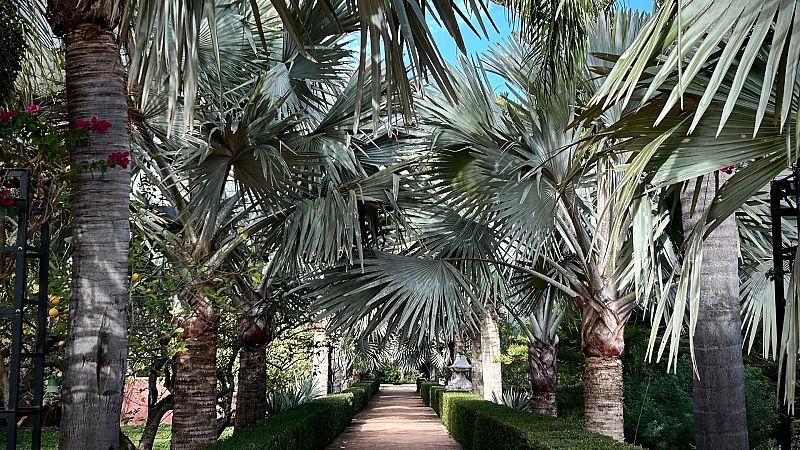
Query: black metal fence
25,312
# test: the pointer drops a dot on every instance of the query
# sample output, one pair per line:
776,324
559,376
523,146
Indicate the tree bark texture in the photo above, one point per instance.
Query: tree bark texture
251,396
321,361
477,365
542,364
720,414
603,395
96,346
194,416
602,342
491,367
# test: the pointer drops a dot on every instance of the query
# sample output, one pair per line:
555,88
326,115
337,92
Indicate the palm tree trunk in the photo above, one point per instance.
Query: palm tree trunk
720,414
477,365
491,368
321,360
603,344
251,394
194,417
602,326
542,363
96,346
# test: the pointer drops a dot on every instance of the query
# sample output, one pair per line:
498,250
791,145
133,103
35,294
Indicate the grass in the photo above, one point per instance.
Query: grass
50,437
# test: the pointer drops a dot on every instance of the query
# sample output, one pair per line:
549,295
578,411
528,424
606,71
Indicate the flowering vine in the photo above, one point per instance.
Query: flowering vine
94,124
5,198
118,159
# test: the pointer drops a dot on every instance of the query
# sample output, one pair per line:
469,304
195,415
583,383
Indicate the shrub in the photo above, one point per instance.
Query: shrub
477,424
311,426
372,387
425,391
458,416
341,409
761,399
361,396
519,399
658,406
436,398
281,400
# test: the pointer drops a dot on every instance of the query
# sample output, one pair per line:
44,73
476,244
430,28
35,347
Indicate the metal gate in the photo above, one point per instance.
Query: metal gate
784,204
25,311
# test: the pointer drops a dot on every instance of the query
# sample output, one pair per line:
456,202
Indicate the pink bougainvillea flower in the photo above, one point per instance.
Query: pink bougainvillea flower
728,169
82,124
5,198
33,108
119,159
100,125
8,115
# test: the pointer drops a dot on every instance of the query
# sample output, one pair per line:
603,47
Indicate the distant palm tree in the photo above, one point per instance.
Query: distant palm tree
505,186
541,327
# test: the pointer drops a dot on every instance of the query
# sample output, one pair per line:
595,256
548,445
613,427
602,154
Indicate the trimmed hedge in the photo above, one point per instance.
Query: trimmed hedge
478,424
436,398
310,426
425,391
372,386
361,396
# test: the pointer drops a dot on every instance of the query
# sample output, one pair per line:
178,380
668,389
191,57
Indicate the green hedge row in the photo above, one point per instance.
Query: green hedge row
425,391
372,386
311,426
436,392
363,392
478,424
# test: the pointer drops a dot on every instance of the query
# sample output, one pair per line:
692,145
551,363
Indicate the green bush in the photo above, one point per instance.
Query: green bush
458,418
311,426
372,387
478,424
761,399
659,410
436,398
360,396
425,391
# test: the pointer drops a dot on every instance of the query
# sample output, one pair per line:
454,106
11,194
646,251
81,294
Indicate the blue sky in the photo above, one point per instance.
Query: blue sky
478,44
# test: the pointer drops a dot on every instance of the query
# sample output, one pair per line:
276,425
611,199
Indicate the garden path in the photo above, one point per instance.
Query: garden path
396,419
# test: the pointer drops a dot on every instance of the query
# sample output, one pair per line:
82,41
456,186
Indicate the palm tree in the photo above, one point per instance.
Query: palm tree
736,92
487,380
156,34
505,187
718,387
96,347
541,328
254,332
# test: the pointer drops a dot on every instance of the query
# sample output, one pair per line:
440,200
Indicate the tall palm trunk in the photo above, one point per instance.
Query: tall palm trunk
251,397
720,415
490,352
194,417
321,360
602,325
603,345
477,365
96,346
542,364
